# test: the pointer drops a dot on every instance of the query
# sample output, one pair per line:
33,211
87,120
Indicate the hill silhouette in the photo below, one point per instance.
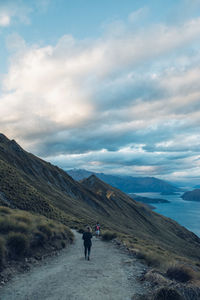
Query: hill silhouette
191,195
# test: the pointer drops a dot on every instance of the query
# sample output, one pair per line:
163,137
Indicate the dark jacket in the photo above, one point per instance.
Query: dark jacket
87,238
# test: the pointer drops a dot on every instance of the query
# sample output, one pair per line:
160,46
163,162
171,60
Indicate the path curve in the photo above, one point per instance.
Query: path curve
111,274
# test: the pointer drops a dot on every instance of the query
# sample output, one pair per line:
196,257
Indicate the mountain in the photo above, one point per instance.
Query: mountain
30,183
148,200
191,195
129,184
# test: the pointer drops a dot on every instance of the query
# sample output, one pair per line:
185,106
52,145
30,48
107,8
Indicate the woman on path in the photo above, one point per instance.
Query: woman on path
87,235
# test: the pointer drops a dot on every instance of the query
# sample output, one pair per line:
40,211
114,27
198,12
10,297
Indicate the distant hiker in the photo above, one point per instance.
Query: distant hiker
97,229
87,235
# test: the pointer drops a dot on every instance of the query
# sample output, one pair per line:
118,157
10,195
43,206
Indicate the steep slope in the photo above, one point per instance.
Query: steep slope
29,183
137,220
129,184
192,195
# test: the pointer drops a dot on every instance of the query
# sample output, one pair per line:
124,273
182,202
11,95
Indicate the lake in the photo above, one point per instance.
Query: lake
186,213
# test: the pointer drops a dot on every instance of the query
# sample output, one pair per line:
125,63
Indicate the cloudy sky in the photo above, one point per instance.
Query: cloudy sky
110,86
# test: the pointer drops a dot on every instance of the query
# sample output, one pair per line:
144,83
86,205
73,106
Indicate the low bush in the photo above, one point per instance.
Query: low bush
167,293
17,244
180,273
108,235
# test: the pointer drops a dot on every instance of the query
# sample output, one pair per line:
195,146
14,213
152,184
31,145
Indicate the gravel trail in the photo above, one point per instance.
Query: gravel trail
111,274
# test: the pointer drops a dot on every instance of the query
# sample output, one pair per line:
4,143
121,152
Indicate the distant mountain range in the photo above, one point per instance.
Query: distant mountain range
30,183
129,184
192,195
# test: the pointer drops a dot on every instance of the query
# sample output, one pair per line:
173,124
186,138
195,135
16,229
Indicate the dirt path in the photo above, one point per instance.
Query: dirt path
110,275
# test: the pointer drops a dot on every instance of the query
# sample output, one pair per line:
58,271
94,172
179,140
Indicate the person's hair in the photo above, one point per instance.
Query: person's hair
88,228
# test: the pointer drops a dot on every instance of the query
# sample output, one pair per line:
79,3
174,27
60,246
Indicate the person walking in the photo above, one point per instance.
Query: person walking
87,236
97,229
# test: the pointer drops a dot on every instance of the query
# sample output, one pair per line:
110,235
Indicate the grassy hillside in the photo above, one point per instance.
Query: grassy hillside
31,184
25,234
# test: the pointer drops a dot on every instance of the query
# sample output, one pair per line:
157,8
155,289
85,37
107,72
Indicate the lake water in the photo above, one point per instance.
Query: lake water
186,213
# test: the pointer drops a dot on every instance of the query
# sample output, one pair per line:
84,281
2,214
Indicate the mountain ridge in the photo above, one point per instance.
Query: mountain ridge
129,184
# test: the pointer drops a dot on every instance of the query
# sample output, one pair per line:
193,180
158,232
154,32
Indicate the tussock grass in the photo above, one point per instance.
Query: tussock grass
167,293
180,273
108,235
23,234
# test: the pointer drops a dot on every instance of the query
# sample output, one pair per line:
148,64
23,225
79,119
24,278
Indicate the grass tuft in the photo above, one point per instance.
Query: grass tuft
167,293
180,273
108,235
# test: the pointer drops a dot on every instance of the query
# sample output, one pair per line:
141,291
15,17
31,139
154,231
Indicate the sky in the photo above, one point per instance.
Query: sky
109,86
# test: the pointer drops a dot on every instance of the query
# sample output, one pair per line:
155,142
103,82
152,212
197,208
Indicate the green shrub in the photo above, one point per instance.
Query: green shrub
180,273
109,235
17,244
167,293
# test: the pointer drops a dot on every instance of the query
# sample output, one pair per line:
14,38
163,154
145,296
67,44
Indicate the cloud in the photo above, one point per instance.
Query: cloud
137,15
4,20
94,102
14,11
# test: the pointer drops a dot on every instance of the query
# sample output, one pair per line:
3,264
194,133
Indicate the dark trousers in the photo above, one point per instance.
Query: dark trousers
87,250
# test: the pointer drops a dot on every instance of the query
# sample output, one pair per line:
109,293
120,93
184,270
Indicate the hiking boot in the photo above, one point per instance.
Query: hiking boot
88,258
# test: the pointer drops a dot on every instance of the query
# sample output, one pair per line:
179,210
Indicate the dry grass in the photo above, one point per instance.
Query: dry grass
180,273
108,235
167,293
23,233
